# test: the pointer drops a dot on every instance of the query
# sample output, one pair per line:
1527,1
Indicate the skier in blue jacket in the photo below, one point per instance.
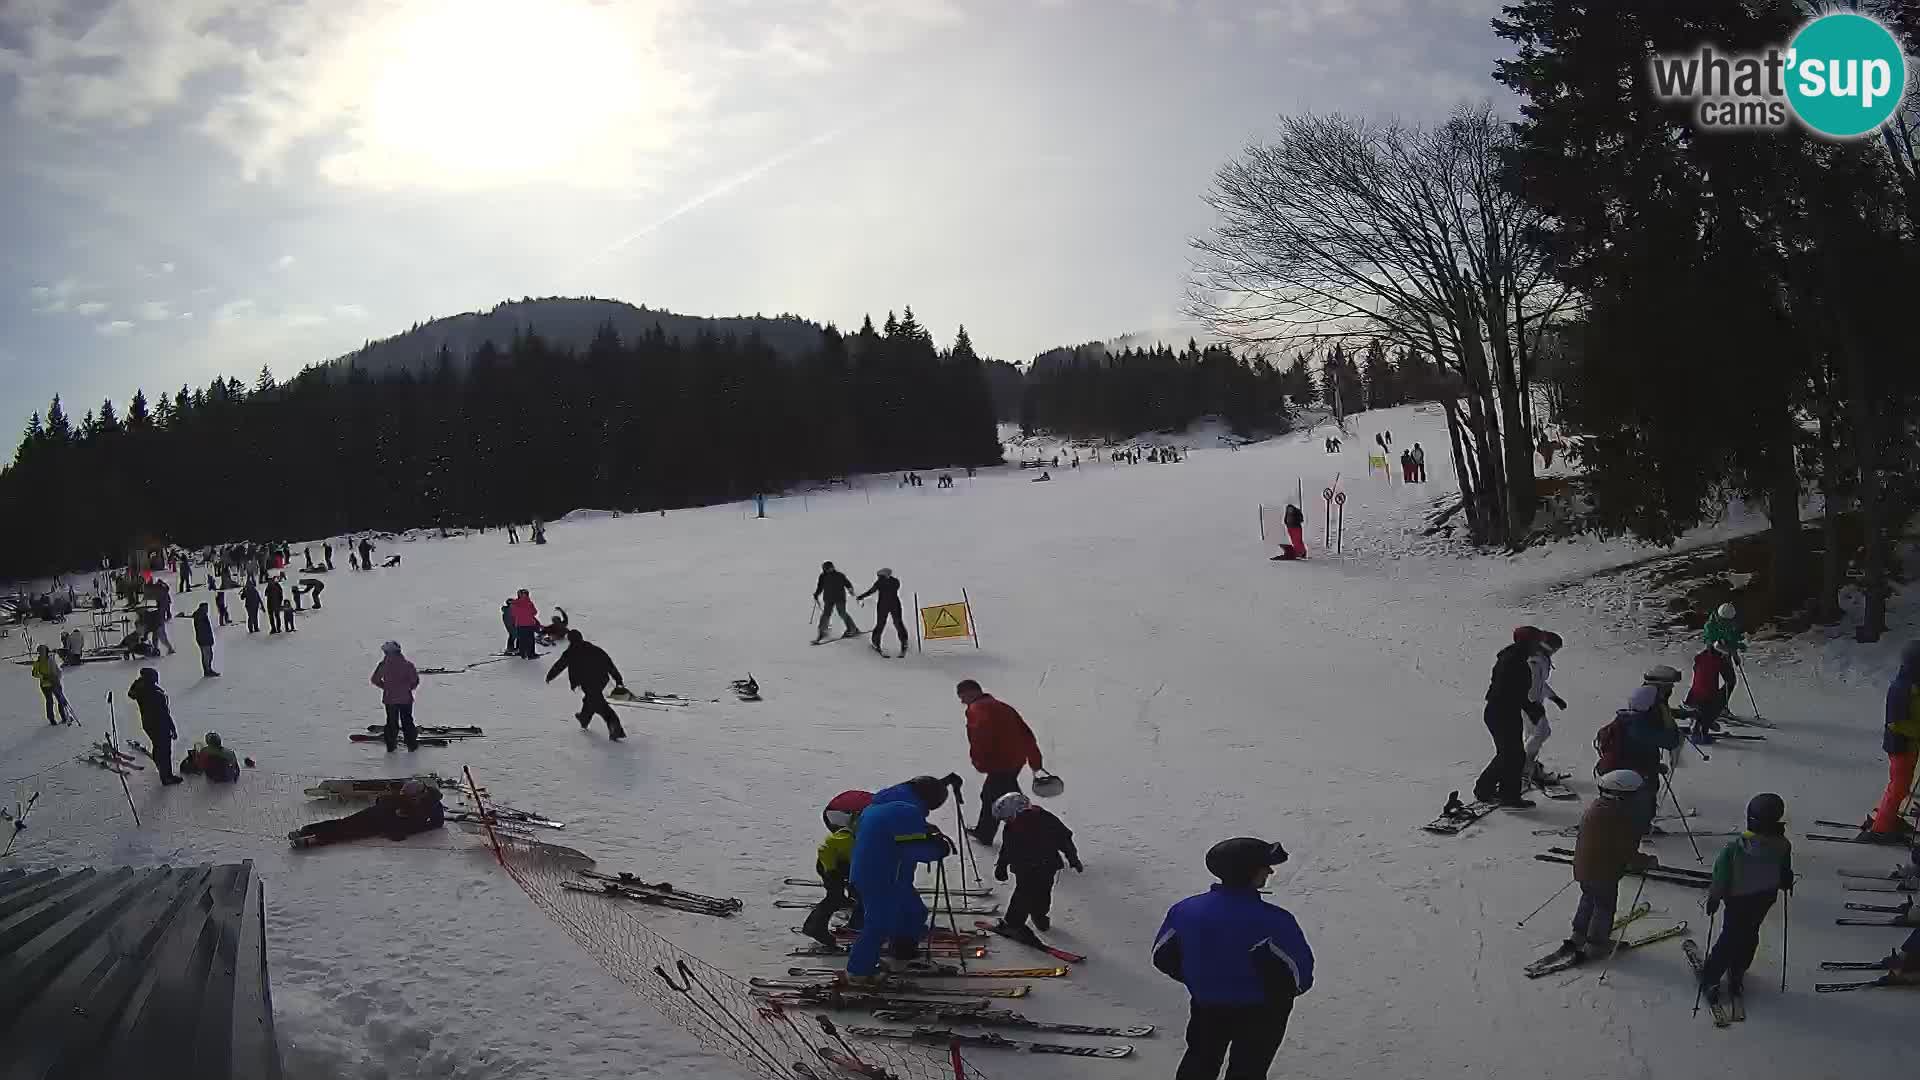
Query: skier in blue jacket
1242,959
893,839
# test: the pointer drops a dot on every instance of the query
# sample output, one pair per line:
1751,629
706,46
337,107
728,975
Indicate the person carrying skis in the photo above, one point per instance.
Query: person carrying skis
1242,960
832,861
203,637
1898,740
1507,692
588,669
415,808
1540,667
1608,846
46,671
1035,842
1635,738
250,599
1751,869
156,719
1000,743
1712,688
526,622
888,605
831,591
892,839
397,679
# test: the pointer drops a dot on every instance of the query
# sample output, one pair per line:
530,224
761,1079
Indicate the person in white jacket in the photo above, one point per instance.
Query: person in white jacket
1541,692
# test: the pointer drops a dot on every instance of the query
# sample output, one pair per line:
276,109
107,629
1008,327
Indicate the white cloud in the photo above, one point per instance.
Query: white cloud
283,262
349,311
154,310
298,319
166,268
116,328
90,307
232,311
57,297
184,315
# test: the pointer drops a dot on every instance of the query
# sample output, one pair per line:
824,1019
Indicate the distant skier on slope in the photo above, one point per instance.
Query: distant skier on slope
831,589
589,669
276,600
892,838
832,861
1540,666
888,605
1750,871
1242,960
1035,842
1000,744
1504,716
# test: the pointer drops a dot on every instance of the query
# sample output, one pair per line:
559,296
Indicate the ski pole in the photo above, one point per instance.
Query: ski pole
113,738
1749,685
1697,857
1786,916
1543,907
1608,966
1701,987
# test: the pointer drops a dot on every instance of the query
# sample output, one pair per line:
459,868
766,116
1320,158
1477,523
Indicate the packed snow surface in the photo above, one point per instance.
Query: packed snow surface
1185,687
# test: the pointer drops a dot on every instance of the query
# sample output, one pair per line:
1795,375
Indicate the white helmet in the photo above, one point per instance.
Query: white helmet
1725,611
1621,781
1010,804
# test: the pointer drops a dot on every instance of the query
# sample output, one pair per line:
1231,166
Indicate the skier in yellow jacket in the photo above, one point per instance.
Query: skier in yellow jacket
46,669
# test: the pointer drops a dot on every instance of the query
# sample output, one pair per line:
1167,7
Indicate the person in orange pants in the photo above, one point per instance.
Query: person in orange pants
1901,741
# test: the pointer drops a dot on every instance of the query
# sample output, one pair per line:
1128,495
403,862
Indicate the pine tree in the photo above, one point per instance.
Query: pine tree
138,418
265,381
59,428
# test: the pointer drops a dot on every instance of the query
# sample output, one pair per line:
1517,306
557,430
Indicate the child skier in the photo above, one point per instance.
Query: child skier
1712,688
1750,870
1540,666
1035,840
1898,740
1607,846
1242,960
832,861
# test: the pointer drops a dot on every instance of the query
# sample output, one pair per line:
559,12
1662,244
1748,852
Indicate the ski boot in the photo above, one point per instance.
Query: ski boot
1041,922
855,632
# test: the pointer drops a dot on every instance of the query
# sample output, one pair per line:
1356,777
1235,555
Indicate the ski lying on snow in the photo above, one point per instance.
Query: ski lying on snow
943,1037
1572,832
1662,868
945,949
1692,949
1851,825
938,935
940,1014
1898,873
1456,816
890,983
628,881
1900,841
1881,886
1854,965
1657,873
924,890
830,997
1746,721
1884,980
666,900
802,905
432,740
1884,909
1032,941
433,729
946,971
1904,921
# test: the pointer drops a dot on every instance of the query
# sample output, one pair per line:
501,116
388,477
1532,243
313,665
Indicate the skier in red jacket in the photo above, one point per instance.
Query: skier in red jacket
1000,744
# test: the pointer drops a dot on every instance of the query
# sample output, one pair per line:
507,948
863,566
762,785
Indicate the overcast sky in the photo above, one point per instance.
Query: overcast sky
198,187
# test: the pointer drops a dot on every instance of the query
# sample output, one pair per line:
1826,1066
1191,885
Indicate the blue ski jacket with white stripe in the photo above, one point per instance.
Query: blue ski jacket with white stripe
1229,947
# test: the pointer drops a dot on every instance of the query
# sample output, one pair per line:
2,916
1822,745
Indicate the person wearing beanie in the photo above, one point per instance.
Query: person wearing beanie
1609,842
589,669
213,760
1032,850
1242,960
1724,626
1504,716
1900,738
831,590
397,679
1750,871
156,719
891,839
832,861
888,605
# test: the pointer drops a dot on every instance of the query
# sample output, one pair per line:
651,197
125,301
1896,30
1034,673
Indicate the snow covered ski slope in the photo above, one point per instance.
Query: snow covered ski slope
1186,688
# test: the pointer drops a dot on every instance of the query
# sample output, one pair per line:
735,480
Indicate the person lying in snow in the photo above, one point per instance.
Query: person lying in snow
415,808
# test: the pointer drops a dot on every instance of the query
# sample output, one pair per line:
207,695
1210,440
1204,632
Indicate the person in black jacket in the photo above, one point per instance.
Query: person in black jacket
275,600
589,669
1506,706
831,590
156,718
203,637
1034,842
888,587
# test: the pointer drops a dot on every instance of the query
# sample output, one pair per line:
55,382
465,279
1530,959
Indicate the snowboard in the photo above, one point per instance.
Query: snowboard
1456,816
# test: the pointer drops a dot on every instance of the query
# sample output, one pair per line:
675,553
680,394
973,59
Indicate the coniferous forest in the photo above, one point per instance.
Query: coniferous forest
1091,392
514,431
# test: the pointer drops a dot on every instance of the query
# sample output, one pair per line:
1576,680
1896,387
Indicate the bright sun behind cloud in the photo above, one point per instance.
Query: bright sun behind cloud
491,93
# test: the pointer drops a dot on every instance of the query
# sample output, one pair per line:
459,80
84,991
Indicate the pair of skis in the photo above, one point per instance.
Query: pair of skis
989,909
659,894
941,1014
1672,875
925,890
890,983
1724,1012
452,731
1889,978
1862,835
1563,958
944,1037
425,740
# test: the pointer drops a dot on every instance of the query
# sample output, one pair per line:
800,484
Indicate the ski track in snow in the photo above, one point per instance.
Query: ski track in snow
1185,687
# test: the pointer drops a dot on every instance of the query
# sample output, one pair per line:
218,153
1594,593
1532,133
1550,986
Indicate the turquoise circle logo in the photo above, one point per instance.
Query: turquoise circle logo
1846,75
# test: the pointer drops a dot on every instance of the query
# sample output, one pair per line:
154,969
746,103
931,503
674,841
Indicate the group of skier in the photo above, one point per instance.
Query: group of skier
831,591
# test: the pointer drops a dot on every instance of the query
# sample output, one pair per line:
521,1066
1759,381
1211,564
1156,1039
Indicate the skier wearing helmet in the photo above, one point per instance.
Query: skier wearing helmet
1712,688
893,838
1607,848
831,591
1724,625
1751,869
888,605
1032,848
832,860
1242,960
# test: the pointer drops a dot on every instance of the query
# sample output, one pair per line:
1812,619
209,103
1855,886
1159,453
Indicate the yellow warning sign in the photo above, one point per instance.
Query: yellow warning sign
944,621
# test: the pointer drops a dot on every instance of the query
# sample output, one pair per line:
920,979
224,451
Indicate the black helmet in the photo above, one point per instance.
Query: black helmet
1766,808
929,790
825,566
1235,861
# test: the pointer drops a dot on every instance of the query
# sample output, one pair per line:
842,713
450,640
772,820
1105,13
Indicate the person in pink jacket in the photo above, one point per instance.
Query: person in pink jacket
526,621
397,678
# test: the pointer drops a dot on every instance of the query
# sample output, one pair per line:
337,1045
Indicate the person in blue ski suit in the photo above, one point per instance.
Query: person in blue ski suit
893,839
1242,960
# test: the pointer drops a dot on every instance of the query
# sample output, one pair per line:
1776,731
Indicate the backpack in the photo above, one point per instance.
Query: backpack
1608,744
